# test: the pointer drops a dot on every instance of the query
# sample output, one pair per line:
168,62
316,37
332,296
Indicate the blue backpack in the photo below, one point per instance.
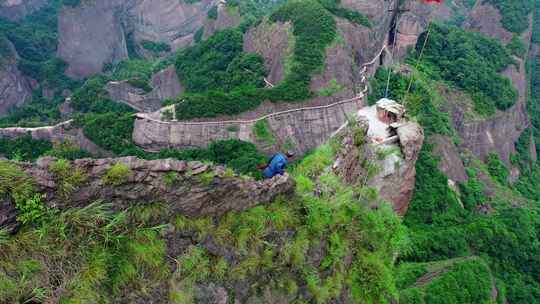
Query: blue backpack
276,166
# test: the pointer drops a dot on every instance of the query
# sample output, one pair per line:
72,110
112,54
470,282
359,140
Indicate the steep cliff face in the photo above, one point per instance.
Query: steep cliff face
15,88
486,19
501,132
390,167
18,9
416,16
170,21
99,32
91,35
275,43
192,189
165,85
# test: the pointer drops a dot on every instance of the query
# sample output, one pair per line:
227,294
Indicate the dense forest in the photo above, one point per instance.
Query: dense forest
470,241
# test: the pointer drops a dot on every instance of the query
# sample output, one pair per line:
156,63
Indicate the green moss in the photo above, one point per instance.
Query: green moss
117,174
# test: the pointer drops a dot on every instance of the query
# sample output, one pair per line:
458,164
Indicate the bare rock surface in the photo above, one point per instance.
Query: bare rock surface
486,19
90,36
169,21
450,162
165,84
274,42
396,175
193,189
18,9
15,88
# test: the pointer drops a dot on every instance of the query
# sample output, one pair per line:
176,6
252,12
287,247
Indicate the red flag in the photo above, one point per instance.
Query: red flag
432,1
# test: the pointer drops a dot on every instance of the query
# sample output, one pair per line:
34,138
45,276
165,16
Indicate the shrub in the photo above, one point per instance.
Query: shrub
24,147
472,191
197,37
213,12
155,47
141,84
497,169
68,179
117,174
68,150
334,7
517,47
263,132
110,131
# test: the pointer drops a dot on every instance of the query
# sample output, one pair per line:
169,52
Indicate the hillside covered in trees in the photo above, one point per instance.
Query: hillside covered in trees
466,71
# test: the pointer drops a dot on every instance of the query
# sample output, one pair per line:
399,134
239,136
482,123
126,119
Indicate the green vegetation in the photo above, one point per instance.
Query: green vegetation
263,132
213,93
497,169
100,255
334,7
117,174
17,187
155,47
218,63
422,100
23,148
35,41
213,12
515,13
444,224
448,286
471,62
68,179
472,191
517,47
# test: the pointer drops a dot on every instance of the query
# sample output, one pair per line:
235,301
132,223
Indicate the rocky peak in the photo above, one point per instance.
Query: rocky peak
388,166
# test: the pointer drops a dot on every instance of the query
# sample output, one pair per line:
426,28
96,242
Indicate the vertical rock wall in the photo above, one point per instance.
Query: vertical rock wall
18,9
90,35
299,129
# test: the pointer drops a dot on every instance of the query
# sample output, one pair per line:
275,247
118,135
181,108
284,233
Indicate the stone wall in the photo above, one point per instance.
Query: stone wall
299,129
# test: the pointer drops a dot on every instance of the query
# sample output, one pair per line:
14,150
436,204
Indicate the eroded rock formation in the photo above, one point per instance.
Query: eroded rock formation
165,84
90,36
193,189
18,9
99,32
390,168
15,88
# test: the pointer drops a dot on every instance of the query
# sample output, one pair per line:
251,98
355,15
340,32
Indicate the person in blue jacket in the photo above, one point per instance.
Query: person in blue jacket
276,165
